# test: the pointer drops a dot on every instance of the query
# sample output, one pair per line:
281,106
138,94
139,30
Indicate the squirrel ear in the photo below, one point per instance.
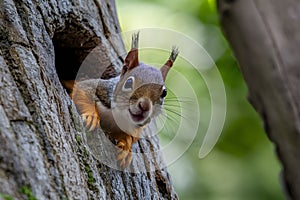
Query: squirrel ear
167,66
132,58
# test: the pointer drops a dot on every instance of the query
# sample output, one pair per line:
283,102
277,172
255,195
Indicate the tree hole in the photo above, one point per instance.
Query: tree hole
72,45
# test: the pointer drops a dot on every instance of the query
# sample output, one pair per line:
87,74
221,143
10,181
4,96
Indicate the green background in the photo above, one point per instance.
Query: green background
243,164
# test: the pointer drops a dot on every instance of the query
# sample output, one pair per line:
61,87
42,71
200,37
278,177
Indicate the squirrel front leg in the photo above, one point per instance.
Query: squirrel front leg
124,152
82,96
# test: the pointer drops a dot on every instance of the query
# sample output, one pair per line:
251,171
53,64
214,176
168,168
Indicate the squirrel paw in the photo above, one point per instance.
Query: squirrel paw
124,154
90,120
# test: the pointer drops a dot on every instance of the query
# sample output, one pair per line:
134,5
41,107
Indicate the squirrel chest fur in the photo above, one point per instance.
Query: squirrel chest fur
124,105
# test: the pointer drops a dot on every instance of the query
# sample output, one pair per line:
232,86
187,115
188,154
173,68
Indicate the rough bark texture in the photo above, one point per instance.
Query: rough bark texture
265,37
43,150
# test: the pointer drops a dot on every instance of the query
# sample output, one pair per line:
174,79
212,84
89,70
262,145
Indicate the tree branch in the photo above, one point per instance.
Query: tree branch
264,36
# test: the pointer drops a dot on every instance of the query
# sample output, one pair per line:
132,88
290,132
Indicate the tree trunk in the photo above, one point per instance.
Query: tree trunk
265,37
44,153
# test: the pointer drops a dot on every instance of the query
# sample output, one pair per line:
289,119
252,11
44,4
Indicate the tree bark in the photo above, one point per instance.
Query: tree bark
265,37
44,154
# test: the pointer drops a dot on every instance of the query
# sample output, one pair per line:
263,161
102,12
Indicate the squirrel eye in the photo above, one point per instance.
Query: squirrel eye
128,85
164,92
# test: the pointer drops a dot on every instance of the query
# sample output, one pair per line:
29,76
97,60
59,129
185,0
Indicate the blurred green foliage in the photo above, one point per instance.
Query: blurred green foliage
243,164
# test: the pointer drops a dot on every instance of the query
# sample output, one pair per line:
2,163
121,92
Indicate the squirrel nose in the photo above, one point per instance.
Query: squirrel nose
144,105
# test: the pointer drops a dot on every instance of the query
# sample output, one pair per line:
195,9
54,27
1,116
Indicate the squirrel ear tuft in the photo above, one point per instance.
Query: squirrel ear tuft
167,66
132,58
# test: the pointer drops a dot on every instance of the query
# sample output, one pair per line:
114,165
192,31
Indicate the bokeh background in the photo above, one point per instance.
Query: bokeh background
243,164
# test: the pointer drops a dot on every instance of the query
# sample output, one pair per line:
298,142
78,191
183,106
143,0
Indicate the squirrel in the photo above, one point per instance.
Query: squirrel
124,105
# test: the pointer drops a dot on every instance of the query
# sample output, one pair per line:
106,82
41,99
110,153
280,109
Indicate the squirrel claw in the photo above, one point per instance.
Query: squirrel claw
124,154
124,158
94,124
90,121
121,145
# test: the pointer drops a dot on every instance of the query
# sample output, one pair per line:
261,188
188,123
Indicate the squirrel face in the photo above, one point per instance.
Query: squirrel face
140,92
138,96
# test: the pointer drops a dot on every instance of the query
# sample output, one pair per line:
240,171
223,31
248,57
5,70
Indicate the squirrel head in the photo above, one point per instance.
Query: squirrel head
140,92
